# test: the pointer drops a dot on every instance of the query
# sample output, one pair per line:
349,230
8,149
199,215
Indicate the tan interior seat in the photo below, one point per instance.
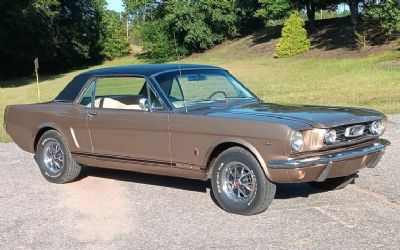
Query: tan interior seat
114,104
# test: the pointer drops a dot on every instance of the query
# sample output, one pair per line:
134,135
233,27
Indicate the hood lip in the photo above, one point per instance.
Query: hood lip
373,116
282,117
314,124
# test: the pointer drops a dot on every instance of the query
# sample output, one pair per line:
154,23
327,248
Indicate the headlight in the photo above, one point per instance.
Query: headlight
297,141
377,127
330,136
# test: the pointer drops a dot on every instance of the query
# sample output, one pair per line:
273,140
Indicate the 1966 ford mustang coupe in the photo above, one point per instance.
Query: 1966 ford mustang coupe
196,122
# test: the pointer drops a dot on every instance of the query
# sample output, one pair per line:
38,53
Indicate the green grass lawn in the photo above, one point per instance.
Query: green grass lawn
357,82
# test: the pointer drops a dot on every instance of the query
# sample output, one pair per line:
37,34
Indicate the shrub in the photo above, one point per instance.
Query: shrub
294,37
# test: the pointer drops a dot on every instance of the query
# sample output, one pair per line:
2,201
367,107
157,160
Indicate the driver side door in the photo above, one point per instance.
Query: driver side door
120,129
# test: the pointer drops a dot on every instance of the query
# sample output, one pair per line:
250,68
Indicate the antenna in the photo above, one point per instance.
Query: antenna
180,71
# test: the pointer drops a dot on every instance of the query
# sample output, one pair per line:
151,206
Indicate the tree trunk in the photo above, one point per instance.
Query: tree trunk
311,13
353,6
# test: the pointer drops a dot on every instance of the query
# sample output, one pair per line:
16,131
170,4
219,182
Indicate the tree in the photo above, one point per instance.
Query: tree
294,37
385,13
158,42
79,31
193,26
61,33
199,25
26,31
115,42
247,20
271,10
354,10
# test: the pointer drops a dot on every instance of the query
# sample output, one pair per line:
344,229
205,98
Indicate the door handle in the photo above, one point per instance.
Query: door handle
91,114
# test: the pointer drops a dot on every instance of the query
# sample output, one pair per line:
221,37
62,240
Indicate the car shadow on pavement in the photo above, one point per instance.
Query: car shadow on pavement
288,191
157,180
284,191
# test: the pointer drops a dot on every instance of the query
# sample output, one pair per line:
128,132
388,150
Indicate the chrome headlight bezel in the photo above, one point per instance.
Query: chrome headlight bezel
330,136
297,141
377,128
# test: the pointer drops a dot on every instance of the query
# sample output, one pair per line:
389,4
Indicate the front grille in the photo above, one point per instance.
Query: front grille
340,132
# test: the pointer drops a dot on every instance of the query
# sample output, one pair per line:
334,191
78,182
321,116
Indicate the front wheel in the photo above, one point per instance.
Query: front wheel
239,184
334,183
55,160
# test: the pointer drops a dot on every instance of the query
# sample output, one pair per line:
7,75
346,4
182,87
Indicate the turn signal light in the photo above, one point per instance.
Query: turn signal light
300,174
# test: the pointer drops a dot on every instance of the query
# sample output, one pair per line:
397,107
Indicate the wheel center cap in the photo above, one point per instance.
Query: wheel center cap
236,183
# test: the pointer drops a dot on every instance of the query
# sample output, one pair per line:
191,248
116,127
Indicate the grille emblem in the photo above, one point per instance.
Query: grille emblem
354,131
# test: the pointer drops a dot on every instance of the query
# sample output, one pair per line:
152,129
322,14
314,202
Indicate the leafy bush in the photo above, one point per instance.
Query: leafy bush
294,37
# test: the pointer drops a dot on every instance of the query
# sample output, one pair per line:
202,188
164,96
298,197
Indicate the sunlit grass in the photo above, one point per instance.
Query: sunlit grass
357,82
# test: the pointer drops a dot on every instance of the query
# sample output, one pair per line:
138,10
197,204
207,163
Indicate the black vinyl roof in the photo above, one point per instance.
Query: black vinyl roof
70,92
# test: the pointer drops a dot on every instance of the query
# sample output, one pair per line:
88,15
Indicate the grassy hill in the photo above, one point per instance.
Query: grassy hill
332,73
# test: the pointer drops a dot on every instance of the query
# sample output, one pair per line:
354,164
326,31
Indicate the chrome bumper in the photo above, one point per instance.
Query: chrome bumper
378,146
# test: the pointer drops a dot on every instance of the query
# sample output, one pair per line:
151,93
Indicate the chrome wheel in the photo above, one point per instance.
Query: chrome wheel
238,182
53,156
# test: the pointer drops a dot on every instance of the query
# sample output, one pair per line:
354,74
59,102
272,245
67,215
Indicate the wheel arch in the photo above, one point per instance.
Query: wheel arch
41,130
223,145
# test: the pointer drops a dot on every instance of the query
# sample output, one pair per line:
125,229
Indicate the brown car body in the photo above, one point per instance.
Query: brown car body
179,142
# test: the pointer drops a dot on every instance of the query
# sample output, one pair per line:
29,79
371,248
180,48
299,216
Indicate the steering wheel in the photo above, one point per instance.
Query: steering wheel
215,93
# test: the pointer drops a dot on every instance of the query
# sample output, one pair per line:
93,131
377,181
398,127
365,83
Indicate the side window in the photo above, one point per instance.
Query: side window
87,96
119,86
122,93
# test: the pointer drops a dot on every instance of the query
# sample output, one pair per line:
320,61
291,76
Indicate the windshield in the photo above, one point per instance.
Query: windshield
191,87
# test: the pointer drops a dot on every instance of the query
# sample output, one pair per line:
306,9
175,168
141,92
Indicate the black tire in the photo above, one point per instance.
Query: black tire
335,183
58,173
263,191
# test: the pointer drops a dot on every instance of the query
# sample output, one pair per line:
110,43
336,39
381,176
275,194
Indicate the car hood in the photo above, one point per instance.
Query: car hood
316,116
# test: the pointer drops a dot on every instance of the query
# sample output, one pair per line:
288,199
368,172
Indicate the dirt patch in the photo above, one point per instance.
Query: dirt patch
99,208
349,53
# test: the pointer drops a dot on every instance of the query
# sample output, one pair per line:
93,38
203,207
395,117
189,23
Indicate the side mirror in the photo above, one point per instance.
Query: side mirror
144,104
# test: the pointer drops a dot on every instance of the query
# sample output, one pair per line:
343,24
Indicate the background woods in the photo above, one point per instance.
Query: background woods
62,33
66,34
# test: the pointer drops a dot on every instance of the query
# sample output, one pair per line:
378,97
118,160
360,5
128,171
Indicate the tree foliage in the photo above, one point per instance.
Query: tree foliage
115,42
271,10
294,37
247,20
193,26
158,42
386,13
61,33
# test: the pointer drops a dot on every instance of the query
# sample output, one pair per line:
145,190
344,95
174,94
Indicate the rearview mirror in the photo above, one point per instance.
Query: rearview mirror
144,104
196,78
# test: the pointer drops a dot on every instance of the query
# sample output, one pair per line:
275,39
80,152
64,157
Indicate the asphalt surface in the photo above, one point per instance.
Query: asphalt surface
110,209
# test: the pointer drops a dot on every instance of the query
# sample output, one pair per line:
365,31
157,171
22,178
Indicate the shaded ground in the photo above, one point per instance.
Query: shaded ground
116,209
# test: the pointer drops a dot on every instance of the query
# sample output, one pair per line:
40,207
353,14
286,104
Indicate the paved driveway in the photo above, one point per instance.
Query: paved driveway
115,209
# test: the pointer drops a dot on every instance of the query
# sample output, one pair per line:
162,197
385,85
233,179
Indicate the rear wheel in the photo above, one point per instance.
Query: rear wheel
239,184
55,160
334,183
